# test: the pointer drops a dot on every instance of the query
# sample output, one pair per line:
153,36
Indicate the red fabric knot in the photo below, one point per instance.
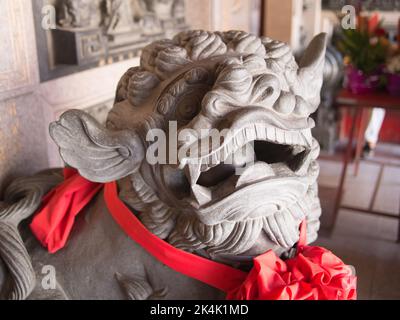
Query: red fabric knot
314,273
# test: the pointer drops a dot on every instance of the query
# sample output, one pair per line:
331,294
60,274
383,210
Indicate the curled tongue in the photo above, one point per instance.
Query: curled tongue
259,171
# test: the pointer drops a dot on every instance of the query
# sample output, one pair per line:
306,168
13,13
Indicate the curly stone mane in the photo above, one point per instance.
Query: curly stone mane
250,71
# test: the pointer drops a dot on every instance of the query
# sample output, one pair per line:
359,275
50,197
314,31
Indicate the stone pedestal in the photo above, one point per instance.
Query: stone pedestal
78,46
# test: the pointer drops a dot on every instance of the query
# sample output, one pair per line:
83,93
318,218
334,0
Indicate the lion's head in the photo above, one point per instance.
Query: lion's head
198,83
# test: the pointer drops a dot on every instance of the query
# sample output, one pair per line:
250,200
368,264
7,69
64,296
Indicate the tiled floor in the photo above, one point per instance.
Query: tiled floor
367,242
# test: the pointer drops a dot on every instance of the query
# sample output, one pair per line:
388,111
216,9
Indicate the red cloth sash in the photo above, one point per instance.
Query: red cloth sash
314,273
53,224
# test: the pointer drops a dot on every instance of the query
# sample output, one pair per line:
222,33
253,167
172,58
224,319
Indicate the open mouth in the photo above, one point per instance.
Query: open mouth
251,155
265,152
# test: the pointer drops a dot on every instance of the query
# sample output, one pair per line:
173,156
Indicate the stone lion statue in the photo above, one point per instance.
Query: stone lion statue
200,81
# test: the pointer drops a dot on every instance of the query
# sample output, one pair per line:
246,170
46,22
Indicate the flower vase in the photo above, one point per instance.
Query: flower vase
359,82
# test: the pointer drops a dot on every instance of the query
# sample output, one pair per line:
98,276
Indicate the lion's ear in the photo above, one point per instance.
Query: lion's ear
99,154
311,67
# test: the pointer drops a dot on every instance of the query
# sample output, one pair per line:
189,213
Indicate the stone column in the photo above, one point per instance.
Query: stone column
278,19
223,15
282,20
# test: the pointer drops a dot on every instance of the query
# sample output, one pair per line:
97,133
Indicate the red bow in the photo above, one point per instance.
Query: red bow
314,273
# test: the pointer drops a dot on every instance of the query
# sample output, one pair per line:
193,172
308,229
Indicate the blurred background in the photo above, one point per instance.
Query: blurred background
61,54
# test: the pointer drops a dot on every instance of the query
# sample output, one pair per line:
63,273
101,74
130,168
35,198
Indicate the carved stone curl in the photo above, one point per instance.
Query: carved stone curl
21,199
231,80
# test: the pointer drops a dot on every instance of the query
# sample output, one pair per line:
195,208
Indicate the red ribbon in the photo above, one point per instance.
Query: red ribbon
314,273
53,223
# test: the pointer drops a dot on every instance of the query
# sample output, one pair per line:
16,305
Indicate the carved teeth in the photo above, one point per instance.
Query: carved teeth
258,131
288,137
201,194
250,134
264,133
296,138
271,133
280,136
243,155
214,159
192,171
297,149
259,171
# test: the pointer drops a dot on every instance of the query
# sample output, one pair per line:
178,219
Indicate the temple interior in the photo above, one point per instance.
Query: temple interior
57,55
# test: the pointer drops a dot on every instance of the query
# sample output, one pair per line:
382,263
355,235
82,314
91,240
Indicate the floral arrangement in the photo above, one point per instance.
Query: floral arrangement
364,50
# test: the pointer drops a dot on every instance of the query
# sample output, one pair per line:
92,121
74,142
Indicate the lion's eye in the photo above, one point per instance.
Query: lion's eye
189,104
182,99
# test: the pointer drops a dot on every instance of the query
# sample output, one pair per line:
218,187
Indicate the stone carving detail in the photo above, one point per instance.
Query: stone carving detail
207,80
21,199
76,13
101,31
202,81
138,288
120,152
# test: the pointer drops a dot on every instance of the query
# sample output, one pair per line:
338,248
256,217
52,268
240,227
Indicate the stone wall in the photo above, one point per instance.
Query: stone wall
83,34
23,120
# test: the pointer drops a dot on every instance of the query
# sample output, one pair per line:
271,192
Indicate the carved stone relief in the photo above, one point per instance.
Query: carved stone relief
92,33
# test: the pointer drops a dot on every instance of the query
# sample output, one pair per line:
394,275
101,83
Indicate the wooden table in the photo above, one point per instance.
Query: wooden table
360,106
